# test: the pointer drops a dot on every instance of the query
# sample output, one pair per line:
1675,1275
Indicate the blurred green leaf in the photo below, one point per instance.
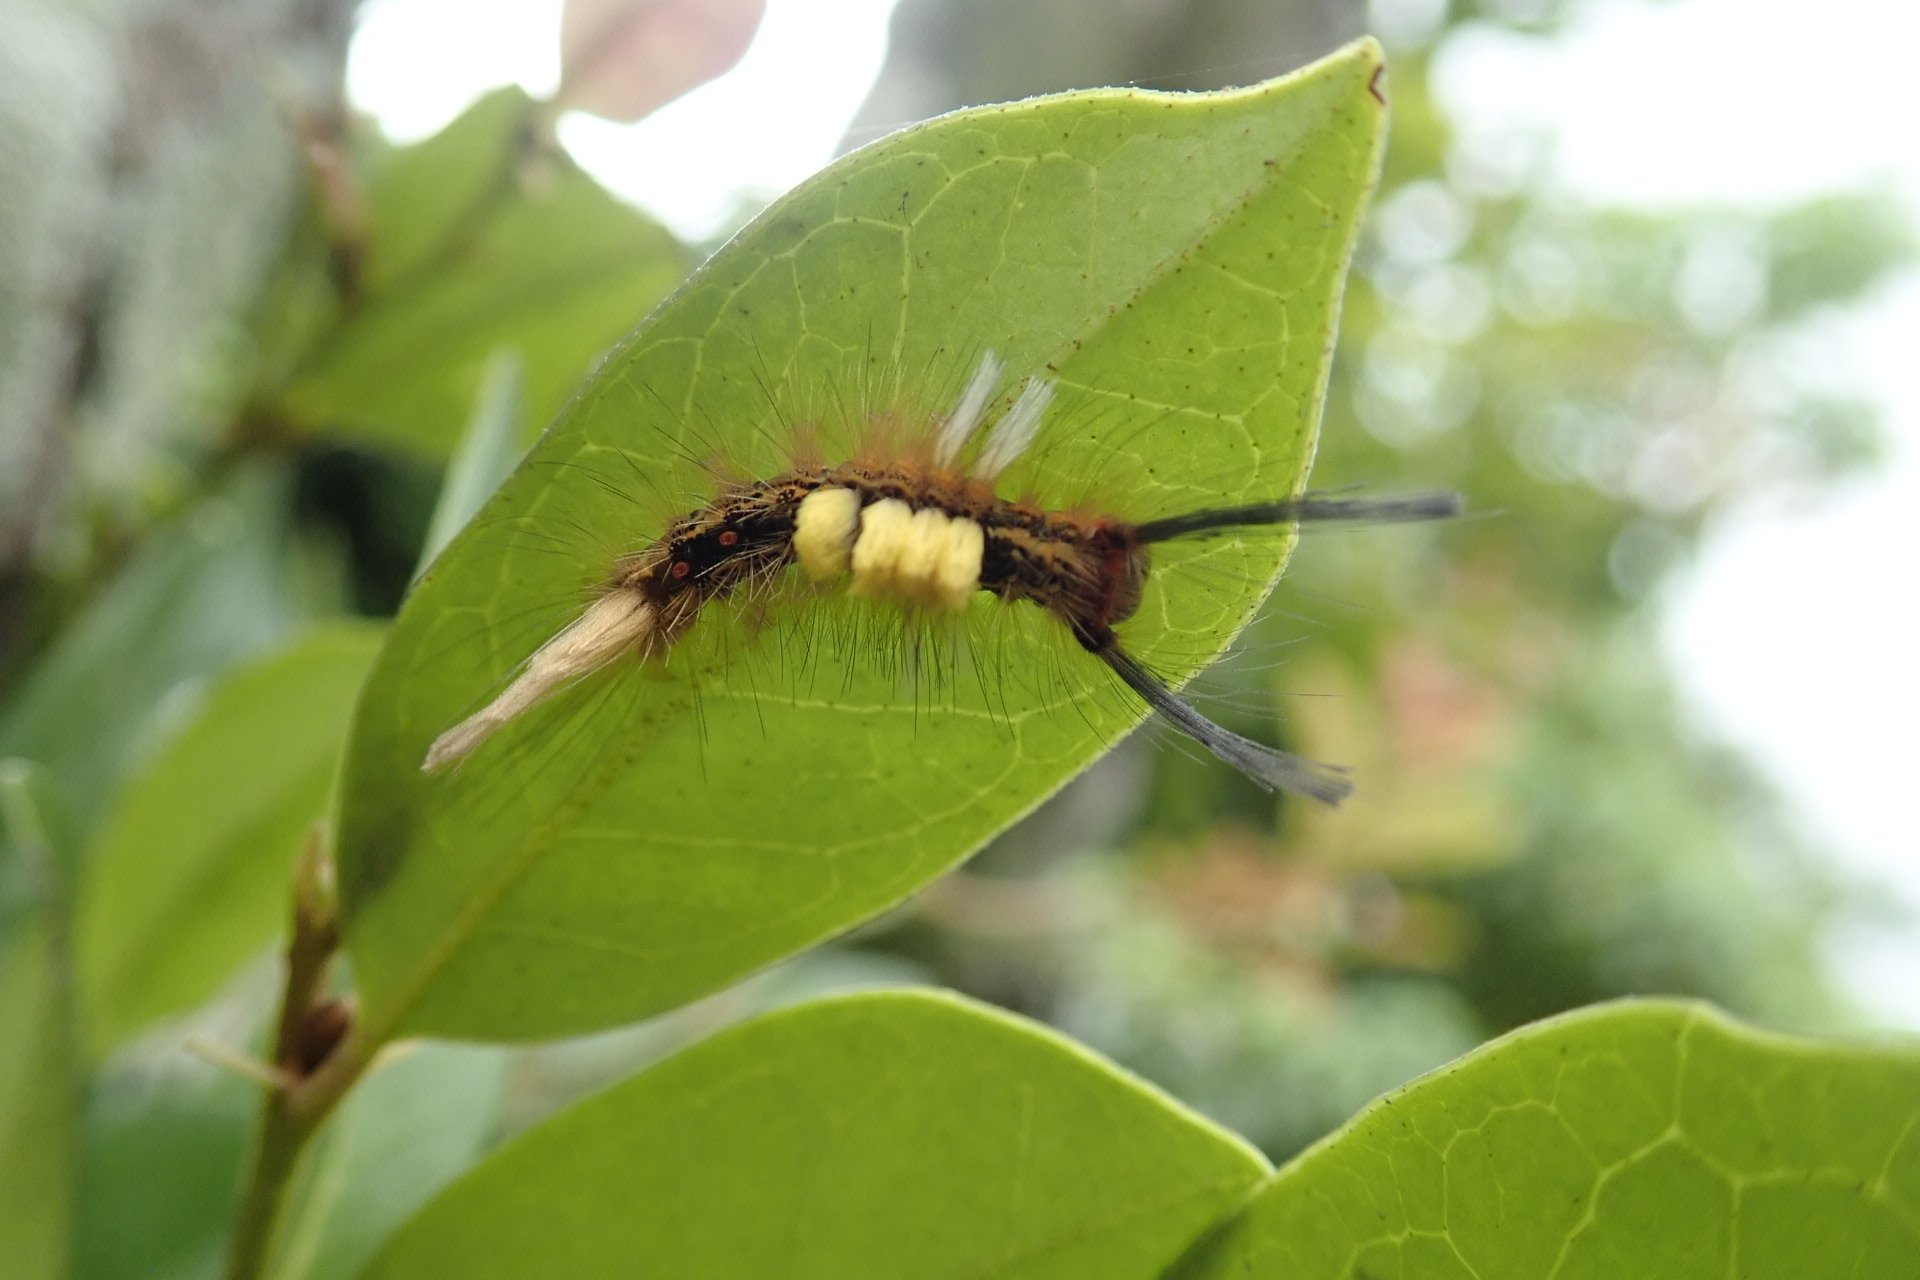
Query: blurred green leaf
486,453
1834,249
421,198
166,1138
1634,1139
39,1084
408,1130
617,853
888,1134
208,589
190,876
477,241
37,1113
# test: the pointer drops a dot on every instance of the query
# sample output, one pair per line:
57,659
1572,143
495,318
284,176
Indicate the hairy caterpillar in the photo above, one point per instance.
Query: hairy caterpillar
923,528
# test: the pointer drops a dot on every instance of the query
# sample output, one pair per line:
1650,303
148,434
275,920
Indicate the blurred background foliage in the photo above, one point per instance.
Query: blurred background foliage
241,336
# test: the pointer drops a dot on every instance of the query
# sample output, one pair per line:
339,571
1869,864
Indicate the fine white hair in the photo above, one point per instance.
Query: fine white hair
1013,433
972,406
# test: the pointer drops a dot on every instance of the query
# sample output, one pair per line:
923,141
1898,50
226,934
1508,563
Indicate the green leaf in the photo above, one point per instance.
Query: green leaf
477,242
190,876
165,1146
1176,260
37,1112
403,1134
1644,1138
886,1134
208,589
39,1080
486,453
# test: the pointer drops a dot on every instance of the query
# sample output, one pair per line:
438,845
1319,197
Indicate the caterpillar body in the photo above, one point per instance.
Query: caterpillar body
924,529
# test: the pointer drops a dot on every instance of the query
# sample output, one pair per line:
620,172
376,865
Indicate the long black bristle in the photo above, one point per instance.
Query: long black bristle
1402,509
1274,770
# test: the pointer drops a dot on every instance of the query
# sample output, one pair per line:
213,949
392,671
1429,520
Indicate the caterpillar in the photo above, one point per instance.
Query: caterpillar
923,528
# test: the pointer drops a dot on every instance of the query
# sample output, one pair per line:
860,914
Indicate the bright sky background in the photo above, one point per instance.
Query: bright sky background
1797,634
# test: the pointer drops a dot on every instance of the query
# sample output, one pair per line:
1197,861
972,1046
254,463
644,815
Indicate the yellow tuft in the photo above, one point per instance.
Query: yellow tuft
957,576
920,555
824,530
917,557
876,550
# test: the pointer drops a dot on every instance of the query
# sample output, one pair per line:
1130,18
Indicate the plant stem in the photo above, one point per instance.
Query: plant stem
318,1056
289,1118
274,1157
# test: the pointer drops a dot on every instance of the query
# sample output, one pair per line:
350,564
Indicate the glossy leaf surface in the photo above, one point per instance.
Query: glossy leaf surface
889,1134
1637,1139
190,877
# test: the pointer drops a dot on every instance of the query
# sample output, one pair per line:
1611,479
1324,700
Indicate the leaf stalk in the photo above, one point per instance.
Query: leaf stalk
319,1053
